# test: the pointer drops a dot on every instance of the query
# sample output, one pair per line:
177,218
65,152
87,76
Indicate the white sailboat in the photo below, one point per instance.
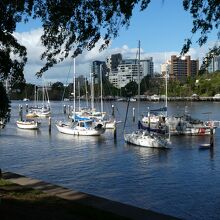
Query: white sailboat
177,125
42,110
92,113
30,125
141,137
80,126
145,139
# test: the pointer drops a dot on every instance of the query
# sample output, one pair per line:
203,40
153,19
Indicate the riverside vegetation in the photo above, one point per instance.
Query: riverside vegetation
205,85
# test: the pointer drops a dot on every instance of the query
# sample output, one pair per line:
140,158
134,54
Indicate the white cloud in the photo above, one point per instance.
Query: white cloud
60,72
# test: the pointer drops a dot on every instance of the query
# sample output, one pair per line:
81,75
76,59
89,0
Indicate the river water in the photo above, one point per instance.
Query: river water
183,181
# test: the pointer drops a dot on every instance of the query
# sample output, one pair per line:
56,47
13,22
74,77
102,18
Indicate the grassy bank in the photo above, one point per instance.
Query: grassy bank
17,202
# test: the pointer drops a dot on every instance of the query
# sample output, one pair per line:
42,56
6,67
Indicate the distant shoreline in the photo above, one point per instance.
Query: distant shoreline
191,99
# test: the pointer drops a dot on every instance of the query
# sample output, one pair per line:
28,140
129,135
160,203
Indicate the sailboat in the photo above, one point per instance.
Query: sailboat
144,138
186,125
177,125
28,124
80,125
42,110
92,113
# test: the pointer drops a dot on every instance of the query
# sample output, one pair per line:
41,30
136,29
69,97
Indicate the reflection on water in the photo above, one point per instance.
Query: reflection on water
81,139
146,153
168,181
28,133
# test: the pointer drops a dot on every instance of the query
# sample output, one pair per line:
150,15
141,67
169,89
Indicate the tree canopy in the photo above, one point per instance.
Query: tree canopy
73,26
69,27
206,17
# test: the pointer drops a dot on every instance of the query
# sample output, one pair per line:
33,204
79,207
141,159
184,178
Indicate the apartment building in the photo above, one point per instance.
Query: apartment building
183,67
127,70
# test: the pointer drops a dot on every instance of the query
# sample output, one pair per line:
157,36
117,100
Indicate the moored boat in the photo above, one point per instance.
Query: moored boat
204,146
81,128
28,124
140,137
145,139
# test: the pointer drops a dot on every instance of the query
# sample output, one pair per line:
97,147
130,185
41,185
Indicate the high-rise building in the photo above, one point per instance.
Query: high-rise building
98,68
113,61
214,65
183,67
123,71
128,71
148,66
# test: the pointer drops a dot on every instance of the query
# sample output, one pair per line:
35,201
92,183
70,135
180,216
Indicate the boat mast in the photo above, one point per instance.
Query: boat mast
79,94
166,93
35,95
92,90
43,94
101,88
139,58
74,87
87,104
166,87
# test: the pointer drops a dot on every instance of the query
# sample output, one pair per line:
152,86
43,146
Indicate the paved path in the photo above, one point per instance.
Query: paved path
118,208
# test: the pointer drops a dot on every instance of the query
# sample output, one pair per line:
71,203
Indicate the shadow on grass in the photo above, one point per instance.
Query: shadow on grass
19,202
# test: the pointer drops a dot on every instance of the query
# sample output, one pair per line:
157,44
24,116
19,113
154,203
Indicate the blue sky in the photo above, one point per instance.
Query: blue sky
161,28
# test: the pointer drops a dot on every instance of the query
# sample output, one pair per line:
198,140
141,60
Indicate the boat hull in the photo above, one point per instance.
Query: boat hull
145,140
66,129
32,125
110,124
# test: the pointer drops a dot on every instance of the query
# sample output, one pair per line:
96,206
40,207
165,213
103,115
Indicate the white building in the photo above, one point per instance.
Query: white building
113,61
126,72
165,68
121,72
113,78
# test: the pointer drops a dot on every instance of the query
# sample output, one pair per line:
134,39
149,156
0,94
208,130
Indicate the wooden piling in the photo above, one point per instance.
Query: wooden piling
113,111
26,108
211,137
133,113
115,133
20,113
49,123
68,110
64,109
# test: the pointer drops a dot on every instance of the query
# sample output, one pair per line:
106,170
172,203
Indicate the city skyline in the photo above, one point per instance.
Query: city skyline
161,28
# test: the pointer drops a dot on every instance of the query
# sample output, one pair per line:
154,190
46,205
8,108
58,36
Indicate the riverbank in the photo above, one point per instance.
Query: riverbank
26,198
148,98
